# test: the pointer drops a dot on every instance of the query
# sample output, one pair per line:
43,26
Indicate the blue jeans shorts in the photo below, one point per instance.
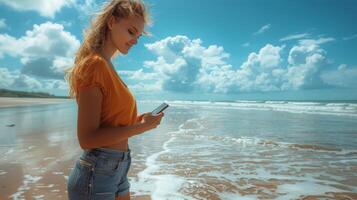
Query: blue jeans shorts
99,174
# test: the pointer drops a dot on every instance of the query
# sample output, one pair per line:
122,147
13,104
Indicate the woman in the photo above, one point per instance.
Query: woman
107,112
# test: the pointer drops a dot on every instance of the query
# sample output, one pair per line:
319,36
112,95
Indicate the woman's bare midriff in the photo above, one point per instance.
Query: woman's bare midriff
122,146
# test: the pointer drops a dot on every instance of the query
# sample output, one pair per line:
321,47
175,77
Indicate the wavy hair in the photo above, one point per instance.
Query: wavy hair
96,34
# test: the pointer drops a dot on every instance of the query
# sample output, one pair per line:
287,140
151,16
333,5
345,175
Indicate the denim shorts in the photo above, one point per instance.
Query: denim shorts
99,174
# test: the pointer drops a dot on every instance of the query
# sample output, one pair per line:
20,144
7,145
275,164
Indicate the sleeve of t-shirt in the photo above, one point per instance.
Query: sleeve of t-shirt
93,73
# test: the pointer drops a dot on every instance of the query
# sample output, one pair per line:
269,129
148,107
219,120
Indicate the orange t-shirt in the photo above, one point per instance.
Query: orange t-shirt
118,105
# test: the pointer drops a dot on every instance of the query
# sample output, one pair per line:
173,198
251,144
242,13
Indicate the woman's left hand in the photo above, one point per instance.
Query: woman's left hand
139,118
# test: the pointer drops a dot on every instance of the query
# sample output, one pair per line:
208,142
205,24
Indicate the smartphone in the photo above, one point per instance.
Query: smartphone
159,109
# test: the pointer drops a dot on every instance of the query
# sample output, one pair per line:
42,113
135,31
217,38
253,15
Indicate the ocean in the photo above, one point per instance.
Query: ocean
201,150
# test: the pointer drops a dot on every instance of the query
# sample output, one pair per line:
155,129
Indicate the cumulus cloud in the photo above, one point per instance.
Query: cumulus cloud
186,65
54,84
180,61
45,51
183,64
17,80
342,77
43,7
7,77
24,81
260,71
306,62
263,29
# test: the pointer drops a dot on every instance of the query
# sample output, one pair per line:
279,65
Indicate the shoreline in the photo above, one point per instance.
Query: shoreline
7,102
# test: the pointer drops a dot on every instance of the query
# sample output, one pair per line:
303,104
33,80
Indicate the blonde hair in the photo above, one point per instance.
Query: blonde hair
95,35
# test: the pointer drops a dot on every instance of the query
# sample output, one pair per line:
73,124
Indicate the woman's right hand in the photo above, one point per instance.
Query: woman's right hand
150,121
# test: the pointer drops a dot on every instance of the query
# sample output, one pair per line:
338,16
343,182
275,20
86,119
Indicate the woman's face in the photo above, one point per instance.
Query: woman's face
124,33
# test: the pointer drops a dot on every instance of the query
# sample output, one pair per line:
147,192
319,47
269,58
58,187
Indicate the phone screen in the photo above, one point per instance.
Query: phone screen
159,109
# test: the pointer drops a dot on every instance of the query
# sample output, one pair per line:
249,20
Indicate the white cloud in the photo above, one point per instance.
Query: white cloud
7,77
169,47
16,80
48,39
87,7
6,45
306,61
180,61
350,37
263,29
220,80
43,7
269,56
55,84
259,72
146,88
45,51
49,9
61,63
25,82
139,75
295,36
183,64
306,47
211,56
2,23
163,67
305,75
342,77
66,23
319,41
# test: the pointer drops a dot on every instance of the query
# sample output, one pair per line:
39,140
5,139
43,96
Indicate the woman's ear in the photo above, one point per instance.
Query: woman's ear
111,22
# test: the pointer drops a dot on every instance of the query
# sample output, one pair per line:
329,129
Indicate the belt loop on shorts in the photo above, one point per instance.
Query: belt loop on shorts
123,157
126,155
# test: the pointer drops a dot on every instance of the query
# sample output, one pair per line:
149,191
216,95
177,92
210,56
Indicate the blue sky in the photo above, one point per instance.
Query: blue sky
205,50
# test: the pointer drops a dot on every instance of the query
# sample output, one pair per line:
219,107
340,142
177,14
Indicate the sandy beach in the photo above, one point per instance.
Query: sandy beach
184,158
36,164
12,102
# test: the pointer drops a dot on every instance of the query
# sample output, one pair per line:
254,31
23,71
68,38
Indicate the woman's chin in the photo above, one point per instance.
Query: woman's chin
124,51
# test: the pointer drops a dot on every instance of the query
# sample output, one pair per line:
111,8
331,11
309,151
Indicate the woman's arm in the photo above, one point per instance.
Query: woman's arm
90,135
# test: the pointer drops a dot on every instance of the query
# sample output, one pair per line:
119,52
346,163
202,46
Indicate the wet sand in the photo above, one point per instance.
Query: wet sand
36,157
38,168
12,102
35,163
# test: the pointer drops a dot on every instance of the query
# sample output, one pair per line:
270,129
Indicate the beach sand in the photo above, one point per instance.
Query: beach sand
37,154
12,102
38,167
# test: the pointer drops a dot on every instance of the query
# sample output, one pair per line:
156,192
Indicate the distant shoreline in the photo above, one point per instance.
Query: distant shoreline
6,102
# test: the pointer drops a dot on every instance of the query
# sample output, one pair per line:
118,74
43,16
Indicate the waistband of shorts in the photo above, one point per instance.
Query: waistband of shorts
108,153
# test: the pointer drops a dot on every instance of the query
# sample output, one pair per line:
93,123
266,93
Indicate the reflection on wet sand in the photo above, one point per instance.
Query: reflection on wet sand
41,166
10,179
178,161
